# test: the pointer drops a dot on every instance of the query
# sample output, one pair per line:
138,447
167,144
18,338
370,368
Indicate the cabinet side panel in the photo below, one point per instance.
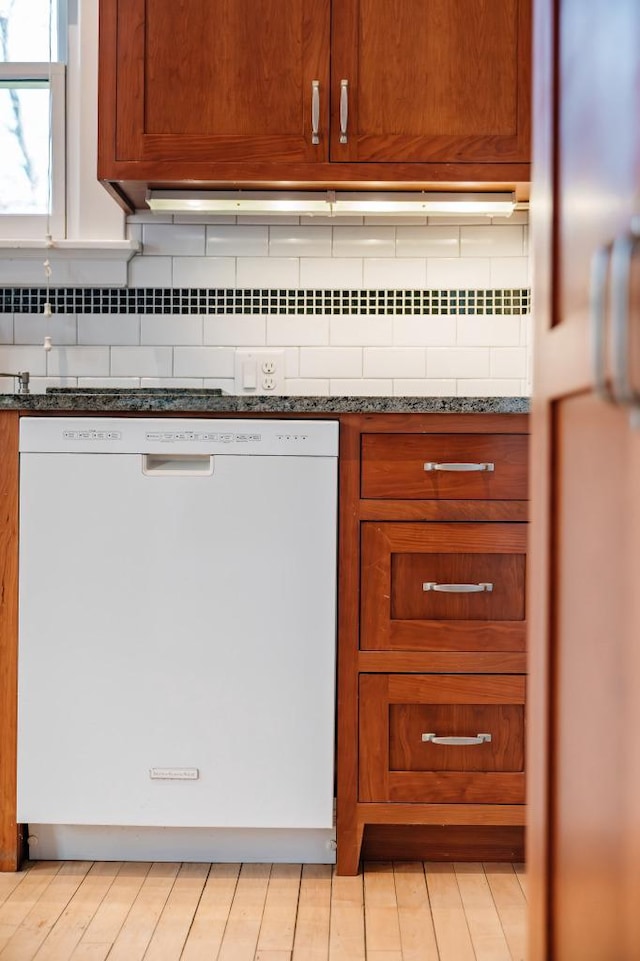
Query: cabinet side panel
9,832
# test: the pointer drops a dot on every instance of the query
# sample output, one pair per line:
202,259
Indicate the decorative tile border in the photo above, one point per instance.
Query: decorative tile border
165,300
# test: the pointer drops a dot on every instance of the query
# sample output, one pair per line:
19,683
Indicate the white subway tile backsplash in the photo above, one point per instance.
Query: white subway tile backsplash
394,362
78,362
509,272
296,241
492,241
170,382
109,329
362,387
394,273
366,331
203,362
171,329
6,328
330,272
276,220
204,271
33,328
225,384
364,241
426,387
428,241
237,241
398,352
234,331
460,273
307,387
331,362
142,361
40,385
489,331
93,273
424,331
126,383
150,272
302,331
508,362
176,239
268,272
457,362
490,388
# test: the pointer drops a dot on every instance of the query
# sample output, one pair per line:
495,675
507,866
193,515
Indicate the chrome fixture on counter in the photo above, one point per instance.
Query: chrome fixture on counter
23,377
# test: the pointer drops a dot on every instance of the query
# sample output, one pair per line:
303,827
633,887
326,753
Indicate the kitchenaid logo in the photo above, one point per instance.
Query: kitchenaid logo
92,435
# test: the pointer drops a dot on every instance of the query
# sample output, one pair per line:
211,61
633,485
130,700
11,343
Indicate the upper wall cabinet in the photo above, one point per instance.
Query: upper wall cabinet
317,93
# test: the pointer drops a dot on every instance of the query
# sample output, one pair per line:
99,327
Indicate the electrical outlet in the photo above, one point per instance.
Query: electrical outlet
259,372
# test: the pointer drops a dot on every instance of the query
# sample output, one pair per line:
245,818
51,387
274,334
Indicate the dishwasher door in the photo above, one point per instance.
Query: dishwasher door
177,624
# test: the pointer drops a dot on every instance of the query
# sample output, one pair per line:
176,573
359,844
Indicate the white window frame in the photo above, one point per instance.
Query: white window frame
36,226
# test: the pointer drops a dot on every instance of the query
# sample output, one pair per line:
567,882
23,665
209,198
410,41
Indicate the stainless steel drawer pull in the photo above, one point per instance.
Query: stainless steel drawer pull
430,465
597,313
315,112
457,588
457,741
624,250
344,110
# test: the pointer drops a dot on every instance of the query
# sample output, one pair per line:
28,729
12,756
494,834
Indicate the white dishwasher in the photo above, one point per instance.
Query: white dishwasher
177,638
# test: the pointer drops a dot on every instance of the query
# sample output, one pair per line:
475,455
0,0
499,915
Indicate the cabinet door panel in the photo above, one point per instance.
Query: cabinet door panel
221,80
397,765
433,80
399,558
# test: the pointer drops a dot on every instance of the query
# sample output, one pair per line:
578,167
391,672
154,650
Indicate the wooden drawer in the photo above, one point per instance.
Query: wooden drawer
393,466
399,611
396,764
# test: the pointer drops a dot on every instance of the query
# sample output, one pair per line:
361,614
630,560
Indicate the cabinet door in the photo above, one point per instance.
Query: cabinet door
432,80
443,587
220,80
478,725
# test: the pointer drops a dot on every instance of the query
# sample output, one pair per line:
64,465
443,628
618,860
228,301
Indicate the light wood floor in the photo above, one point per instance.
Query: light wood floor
92,911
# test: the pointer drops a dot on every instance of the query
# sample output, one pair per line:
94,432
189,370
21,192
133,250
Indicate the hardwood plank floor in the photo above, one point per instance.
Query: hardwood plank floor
402,911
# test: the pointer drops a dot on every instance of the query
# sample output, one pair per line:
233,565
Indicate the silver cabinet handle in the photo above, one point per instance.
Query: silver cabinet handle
457,588
597,314
622,254
457,741
344,110
459,467
315,112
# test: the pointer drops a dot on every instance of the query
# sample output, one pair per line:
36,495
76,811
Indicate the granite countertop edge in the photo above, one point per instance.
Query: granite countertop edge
194,402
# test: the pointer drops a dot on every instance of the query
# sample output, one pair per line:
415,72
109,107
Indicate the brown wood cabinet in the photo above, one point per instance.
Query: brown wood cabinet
431,682
584,787
221,92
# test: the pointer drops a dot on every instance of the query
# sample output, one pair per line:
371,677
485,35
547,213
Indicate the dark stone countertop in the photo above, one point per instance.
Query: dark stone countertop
181,400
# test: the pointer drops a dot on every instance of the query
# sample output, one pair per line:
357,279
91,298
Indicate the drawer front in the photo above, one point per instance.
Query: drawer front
442,739
443,587
422,466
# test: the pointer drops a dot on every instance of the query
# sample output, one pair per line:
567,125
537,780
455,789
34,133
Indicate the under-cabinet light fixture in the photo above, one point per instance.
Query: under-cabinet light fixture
330,203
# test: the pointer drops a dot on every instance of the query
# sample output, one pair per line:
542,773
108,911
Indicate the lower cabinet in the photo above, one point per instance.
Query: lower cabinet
432,638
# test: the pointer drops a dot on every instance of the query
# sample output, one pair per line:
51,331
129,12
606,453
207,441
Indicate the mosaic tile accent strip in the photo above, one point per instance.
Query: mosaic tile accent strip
166,300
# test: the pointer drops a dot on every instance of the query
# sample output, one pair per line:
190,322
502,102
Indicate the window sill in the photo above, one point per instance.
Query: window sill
122,250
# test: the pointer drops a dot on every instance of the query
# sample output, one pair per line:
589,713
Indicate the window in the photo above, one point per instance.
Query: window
32,118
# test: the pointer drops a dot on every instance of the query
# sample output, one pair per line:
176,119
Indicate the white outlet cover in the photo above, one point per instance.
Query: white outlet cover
266,383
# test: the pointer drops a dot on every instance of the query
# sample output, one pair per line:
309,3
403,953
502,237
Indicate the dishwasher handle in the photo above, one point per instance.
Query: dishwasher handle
182,465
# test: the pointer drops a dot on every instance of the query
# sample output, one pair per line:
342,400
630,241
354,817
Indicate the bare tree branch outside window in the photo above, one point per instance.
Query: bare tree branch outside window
24,107
18,127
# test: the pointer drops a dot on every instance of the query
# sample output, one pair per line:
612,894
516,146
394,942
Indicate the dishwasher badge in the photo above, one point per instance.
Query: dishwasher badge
174,773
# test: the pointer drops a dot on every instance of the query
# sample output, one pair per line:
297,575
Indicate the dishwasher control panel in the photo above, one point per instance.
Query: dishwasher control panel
141,435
